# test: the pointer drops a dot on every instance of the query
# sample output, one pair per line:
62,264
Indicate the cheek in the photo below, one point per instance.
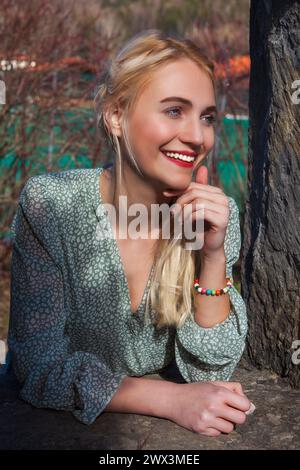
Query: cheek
157,130
210,138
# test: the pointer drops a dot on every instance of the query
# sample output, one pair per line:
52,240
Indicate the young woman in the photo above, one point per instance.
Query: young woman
92,314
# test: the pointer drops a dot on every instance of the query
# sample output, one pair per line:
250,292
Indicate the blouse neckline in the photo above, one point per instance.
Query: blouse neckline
98,204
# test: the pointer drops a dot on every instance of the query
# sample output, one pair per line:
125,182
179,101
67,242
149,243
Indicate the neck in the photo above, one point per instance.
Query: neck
137,189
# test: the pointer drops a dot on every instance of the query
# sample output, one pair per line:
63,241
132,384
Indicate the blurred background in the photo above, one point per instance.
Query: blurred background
51,56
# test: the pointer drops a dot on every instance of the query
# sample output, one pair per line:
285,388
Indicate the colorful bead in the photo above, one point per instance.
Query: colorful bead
216,292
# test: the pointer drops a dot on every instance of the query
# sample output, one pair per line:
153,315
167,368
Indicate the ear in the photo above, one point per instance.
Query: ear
113,119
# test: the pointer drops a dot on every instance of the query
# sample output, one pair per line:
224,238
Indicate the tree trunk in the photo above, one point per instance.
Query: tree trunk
270,267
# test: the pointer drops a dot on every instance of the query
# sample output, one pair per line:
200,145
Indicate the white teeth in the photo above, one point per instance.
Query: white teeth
179,156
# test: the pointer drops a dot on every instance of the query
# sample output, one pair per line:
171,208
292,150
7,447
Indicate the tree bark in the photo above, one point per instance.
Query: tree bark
270,256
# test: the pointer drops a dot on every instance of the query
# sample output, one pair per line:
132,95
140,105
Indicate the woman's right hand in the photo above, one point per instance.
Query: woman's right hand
210,408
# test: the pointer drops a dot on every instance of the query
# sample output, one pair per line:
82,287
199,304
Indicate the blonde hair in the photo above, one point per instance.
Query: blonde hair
124,78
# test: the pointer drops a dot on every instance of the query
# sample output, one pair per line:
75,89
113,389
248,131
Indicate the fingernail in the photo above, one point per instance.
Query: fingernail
251,409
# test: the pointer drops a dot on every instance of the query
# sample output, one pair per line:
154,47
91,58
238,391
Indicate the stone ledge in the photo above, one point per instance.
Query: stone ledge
275,424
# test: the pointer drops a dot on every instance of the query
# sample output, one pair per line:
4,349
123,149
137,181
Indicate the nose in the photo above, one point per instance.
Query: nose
193,133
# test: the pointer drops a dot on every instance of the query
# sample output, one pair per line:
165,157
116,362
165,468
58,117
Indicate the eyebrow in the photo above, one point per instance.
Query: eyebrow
188,102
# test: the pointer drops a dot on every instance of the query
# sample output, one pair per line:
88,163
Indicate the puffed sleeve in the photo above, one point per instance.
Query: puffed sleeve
51,376
213,353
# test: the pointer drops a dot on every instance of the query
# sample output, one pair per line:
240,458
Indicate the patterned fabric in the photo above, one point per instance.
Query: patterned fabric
72,335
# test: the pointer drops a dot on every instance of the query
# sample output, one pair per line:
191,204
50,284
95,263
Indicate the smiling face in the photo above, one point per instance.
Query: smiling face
161,122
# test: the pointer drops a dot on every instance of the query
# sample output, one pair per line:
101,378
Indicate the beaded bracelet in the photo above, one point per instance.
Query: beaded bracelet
202,290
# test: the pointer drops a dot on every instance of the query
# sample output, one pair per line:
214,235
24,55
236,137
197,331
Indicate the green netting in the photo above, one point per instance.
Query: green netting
232,158
45,140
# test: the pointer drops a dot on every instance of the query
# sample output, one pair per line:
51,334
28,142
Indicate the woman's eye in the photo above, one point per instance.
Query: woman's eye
211,119
175,112
170,111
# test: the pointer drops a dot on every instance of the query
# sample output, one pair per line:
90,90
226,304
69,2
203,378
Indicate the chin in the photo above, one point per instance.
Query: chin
163,183
179,184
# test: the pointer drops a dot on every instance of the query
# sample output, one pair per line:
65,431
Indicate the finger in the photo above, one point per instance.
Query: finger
233,386
202,175
203,220
211,432
240,402
196,194
193,199
173,192
201,208
208,187
236,387
232,414
212,189
217,219
223,425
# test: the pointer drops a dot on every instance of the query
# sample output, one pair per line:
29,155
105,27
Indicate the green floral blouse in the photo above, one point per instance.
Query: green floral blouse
72,335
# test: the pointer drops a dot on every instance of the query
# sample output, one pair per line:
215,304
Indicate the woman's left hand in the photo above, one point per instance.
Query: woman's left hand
216,210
